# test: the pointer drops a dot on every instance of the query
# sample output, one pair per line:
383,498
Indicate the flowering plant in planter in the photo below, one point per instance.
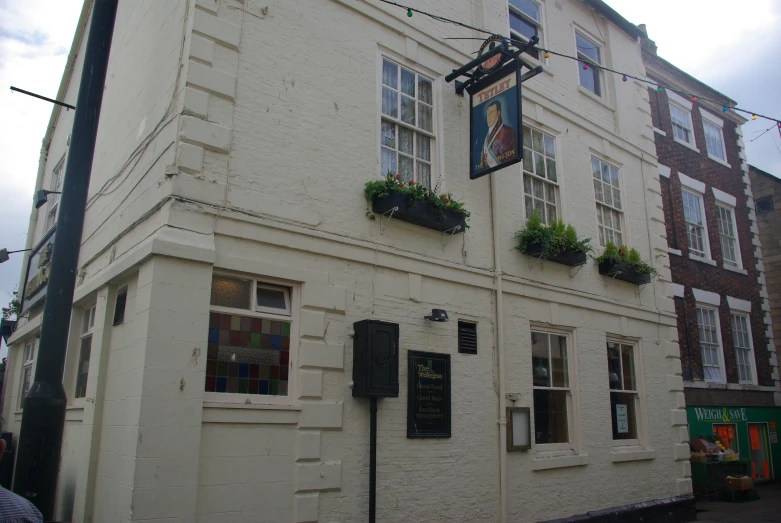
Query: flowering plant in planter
625,264
418,200
556,242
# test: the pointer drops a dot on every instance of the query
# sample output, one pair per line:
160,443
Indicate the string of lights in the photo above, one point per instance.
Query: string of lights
624,76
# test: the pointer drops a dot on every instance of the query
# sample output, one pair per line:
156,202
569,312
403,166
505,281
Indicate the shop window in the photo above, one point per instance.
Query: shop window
552,393
27,369
250,328
540,176
85,350
728,433
624,401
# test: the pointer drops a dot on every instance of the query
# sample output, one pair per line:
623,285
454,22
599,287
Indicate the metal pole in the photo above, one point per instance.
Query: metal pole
373,462
28,93
40,438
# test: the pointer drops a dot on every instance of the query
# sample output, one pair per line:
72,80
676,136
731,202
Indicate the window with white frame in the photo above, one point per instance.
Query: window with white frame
696,230
589,60
608,195
525,21
54,199
540,177
407,133
250,327
730,250
27,369
710,344
552,392
714,140
85,350
744,348
624,399
682,123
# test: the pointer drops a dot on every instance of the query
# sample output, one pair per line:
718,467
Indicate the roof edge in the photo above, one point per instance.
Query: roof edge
613,15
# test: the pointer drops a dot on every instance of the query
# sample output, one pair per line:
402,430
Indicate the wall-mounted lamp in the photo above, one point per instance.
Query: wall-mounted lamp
41,197
518,428
437,315
5,252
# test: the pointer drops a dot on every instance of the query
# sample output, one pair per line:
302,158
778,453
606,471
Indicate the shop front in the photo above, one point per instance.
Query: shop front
749,431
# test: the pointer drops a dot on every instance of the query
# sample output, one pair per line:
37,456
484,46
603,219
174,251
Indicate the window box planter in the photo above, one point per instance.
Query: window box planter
418,212
568,258
622,271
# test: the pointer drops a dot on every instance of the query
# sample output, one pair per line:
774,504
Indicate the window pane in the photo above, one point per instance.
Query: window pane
527,184
406,138
521,26
527,137
539,165
538,188
26,382
388,135
589,78
537,143
247,355
559,360
390,103
595,169
587,47
387,162
406,168
550,148
728,434
628,361
426,119
529,206
231,292
614,366
528,8
390,74
550,416
616,198
551,210
83,368
527,160
540,360
552,176
623,406
407,82
424,174
550,193
424,147
425,91
272,298
408,110
85,321
598,191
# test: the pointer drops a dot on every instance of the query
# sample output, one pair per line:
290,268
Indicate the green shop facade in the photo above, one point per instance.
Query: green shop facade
752,432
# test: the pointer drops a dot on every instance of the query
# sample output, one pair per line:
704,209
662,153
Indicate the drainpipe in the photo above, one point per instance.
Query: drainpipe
502,421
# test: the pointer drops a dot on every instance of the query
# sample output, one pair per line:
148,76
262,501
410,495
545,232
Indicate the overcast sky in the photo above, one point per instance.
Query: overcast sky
736,50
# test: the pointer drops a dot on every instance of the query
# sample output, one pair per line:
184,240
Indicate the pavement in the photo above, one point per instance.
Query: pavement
767,509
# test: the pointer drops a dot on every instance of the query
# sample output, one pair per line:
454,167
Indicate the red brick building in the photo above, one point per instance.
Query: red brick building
724,326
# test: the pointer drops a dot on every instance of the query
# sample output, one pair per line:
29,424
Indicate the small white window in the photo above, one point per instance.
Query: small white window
730,249
682,123
710,344
608,195
589,56
27,370
540,177
272,298
54,199
714,140
624,398
553,424
407,133
744,348
85,351
525,21
696,229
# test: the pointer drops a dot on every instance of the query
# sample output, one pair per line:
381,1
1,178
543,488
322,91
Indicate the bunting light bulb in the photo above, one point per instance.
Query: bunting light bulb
724,109
623,79
694,98
409,13
660,89
546,54
753,117
585,66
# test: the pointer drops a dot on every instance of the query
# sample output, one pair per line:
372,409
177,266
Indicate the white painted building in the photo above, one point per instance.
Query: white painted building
234,143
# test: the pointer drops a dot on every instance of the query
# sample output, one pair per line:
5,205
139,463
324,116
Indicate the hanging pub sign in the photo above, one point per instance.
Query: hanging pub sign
495,121
428,399
38,265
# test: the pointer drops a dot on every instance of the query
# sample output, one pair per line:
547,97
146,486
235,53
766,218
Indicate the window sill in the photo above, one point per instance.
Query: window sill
744,272
74,413
702,260
251,413
686,144
719,160
677,252
598,99
659,131
622,456
558,462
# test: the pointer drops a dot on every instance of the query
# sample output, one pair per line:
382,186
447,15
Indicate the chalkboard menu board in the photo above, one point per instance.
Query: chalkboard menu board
428,400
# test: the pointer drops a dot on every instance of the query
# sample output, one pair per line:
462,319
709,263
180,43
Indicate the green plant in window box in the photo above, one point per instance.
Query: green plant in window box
625,264
421,205
556,242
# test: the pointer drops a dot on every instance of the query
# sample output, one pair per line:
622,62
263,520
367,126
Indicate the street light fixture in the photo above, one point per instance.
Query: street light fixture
5,252
41,197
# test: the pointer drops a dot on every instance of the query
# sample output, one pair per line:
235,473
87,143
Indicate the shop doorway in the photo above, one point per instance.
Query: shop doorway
759,450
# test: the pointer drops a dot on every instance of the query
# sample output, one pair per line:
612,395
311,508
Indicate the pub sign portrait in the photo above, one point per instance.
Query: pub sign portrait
495,129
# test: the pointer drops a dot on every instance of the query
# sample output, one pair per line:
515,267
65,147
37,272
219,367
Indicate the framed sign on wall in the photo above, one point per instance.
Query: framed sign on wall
428,400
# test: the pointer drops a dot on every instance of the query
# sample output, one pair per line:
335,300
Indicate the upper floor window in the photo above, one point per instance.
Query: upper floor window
710,344
407,124
696,230
85,350
249,337
730,250
540,177
608,196
714,140
27,369
764,204
525,21
744,349
54,199
682,123
589,56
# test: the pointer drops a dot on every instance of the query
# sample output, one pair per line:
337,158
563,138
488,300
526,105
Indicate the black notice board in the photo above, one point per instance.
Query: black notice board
428,399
